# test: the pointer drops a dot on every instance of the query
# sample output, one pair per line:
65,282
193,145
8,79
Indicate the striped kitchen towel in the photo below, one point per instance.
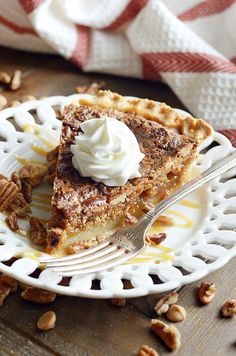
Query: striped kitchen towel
190,45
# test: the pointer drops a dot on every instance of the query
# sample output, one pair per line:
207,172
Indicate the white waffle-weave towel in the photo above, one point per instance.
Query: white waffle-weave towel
190,45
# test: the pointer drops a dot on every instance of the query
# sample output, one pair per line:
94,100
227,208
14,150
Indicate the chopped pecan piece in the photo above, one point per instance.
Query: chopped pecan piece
33,173
19,205
16,179
47,321
147,351
155,239
85,244
118,302
228,309
38,295
5,78
8,192
206,292
53,155
3,101
16,80
38,233
11,221
8,281
130,219
168,333
26,189
90,89
4,292
163,304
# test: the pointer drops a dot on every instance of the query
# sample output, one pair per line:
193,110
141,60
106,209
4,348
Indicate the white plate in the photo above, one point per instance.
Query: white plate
195,251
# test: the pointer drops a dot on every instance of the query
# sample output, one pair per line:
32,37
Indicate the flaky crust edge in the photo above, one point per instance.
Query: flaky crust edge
197,129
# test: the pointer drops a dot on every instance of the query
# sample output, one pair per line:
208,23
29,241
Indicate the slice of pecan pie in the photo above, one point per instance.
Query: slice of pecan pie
168,140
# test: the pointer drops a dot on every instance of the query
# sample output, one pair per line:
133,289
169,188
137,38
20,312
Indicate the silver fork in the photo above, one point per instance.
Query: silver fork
128,242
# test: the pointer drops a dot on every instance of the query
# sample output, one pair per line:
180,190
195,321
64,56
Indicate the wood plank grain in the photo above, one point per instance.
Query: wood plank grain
14,342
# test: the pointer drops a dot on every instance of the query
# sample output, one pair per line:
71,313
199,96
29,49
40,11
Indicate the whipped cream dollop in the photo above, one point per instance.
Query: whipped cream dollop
107,151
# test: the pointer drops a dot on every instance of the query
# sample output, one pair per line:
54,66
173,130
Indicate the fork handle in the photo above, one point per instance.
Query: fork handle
214,171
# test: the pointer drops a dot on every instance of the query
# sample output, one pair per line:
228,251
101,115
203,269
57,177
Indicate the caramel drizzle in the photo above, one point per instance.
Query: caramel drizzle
190,204
39,150
188,223
23,160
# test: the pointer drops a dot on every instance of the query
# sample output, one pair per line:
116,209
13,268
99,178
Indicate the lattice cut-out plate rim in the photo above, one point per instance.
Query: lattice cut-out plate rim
215,240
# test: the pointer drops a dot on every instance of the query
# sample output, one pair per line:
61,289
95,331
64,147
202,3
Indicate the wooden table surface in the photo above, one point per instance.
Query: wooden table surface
95,327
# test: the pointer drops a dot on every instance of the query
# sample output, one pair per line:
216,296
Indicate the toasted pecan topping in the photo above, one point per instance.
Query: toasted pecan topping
168,333
33,173
47,321
38,295
38,233
11,221
147,351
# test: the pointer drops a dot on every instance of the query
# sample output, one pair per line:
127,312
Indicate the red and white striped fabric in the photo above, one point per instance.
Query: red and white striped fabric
190,45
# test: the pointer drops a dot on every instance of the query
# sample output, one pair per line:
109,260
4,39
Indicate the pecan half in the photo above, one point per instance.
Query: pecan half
38,295
155,239
147,351
8,192
176,313
38,233
3,101
168,333
33,173
118,302
228,309
4,292
11,221
206,292
90,89
5,78
163,304
47,321
16,80
8,281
